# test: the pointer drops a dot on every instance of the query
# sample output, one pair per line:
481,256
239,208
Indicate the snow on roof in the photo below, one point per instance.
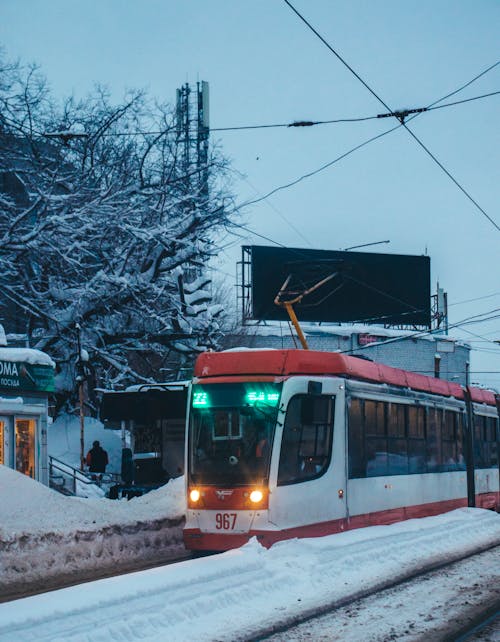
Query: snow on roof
28,507
279,328
26,355
144,387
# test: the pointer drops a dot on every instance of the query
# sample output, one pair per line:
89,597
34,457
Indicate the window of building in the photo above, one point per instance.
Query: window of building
25,446
307,439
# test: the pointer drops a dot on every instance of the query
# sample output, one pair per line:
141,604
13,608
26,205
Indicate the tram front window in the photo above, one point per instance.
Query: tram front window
231,433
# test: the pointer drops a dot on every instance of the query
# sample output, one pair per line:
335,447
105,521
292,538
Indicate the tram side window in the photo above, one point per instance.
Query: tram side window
434,431
357,462
307,439
397,445
449,441
387,438
485,442
494,441
479,441
416,440
377,458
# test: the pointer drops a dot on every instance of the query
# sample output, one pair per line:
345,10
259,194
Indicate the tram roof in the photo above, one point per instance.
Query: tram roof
285,363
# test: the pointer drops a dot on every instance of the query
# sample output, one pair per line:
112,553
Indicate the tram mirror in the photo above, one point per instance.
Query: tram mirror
307,411
314,387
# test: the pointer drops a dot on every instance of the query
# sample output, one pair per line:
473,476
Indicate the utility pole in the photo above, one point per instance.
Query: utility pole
80,378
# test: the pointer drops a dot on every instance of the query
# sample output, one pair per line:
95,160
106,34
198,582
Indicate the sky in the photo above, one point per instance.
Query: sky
238,593
264,66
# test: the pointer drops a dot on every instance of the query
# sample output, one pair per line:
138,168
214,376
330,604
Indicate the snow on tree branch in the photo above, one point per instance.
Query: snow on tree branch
96,228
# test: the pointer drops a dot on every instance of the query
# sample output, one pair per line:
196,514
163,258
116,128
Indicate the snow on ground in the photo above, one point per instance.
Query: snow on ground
241,592
64,441
434,607
44,534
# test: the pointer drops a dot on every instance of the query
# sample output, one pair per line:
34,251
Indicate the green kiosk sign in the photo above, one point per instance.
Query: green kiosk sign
33,377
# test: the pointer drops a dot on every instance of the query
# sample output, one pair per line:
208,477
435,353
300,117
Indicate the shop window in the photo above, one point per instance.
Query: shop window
25,446
307,439
2,442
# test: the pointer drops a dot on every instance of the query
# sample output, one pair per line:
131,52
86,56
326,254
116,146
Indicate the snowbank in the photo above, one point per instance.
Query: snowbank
44,535
245,592
64,440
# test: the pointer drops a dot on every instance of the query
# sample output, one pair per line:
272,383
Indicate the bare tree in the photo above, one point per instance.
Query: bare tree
103,224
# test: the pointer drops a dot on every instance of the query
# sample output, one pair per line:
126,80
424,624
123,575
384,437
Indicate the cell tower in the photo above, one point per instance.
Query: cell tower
193,128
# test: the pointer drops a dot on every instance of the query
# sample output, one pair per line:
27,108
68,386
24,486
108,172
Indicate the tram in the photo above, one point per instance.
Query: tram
300,443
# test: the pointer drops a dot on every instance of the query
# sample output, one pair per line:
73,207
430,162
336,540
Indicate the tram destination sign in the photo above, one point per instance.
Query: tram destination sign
21,376
365,287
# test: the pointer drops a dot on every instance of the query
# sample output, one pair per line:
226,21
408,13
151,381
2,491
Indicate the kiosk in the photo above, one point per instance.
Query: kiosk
26,379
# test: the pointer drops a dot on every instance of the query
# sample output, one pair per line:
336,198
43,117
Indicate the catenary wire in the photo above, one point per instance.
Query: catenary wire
320,169
288,125
412,134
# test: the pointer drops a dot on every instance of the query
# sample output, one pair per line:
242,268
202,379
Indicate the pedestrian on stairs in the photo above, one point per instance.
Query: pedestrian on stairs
97,460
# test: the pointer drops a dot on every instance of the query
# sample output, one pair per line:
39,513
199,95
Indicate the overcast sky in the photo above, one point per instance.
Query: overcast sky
265,66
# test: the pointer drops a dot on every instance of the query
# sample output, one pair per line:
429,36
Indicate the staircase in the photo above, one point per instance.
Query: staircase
65,478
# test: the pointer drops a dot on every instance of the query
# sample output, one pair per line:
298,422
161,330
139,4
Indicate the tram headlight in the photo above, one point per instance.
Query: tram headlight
256,496
194,495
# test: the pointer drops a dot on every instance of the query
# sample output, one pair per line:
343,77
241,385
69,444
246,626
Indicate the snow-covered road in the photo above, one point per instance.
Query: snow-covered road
239,593
431,608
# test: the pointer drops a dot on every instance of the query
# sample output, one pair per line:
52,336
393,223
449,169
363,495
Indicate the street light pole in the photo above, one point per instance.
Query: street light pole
80,379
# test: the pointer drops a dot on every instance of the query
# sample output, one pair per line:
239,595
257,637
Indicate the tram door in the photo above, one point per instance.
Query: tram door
25,446
309,472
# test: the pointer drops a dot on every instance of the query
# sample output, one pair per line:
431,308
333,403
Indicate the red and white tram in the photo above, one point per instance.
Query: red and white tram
298,443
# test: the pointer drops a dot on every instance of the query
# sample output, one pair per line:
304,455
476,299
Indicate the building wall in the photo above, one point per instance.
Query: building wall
416,354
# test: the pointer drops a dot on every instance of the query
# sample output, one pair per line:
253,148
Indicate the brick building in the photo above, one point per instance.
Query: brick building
427,354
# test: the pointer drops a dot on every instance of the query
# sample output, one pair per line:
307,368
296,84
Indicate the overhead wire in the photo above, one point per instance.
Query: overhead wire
414,136
323,167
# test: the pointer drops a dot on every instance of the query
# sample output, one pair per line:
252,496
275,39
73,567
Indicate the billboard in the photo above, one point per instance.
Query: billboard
389,289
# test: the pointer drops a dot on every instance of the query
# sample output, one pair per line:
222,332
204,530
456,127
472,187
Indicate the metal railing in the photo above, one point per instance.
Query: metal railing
64,477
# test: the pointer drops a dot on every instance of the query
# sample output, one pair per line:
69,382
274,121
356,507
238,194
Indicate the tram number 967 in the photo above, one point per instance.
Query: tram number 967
225,521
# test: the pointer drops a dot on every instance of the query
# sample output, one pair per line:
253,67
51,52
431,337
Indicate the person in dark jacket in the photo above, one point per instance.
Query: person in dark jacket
97,459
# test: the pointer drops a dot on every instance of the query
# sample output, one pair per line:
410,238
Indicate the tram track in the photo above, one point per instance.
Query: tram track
485,623
83,577
470,615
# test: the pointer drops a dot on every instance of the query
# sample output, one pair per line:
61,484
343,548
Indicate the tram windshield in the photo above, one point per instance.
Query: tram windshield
231,432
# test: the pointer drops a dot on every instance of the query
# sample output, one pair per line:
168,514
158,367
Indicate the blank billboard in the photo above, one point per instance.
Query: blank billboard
391,289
